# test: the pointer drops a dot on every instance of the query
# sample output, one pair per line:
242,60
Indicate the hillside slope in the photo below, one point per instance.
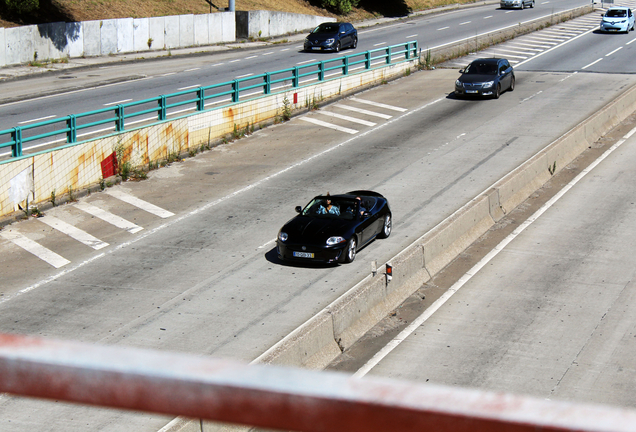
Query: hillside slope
86,10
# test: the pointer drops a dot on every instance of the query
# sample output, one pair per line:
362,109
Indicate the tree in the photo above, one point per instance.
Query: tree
21,7
342,7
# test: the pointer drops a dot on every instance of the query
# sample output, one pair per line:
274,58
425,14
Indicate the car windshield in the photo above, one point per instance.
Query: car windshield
331,208
479,68
616,13
326,28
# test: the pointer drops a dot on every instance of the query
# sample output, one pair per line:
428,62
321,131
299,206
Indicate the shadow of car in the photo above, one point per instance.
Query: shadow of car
485,77
331,36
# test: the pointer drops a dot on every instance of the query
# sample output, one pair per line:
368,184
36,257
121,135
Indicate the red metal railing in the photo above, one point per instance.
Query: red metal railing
276,397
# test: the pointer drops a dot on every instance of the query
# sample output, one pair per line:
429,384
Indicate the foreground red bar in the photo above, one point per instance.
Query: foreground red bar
276,397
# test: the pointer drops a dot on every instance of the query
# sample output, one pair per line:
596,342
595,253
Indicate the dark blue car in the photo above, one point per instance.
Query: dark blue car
486,77
332,36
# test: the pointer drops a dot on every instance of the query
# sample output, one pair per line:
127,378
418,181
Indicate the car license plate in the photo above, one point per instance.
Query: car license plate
471,91
303,254
315,48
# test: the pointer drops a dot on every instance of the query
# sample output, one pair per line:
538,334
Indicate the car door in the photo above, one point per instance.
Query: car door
630,20
505,74
344,36
370,223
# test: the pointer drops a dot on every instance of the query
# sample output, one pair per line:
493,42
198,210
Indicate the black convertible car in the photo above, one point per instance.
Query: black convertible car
331,228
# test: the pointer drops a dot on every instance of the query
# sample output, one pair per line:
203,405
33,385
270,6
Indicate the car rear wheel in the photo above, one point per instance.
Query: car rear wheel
512,84
386,228
497,92
350,253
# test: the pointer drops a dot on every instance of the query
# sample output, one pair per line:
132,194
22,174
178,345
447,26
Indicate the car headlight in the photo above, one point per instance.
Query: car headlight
330,41
282,236
458,83
335,240
488,84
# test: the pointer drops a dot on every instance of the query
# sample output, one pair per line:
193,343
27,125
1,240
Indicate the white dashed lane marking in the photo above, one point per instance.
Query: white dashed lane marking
73,232
363,111
329,125
36,249
381,105
345,117
144,205
109,217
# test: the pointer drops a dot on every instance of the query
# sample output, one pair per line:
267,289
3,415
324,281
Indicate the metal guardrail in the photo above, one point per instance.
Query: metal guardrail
93,124
277,397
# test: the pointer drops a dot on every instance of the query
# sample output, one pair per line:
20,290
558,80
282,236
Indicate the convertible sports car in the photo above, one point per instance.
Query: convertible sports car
331,228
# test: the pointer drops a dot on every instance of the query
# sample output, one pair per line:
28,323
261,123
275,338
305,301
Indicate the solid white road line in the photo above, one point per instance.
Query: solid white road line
329,125
347,118
363,111
73,232
485,260
381,105
109,217
144,205
617,49
35,248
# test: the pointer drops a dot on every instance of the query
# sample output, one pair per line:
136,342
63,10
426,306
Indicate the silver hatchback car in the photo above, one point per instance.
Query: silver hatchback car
516,4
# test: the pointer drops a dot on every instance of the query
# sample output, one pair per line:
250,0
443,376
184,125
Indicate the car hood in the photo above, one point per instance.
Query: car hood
321,36
614,20
476,78
314,230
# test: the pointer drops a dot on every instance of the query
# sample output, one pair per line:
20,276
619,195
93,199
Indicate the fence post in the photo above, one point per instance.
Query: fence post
321,71
236,91
367,57
200,99
345,65
267,79
119,114
162,112
295,79
71,125
16,148
388,55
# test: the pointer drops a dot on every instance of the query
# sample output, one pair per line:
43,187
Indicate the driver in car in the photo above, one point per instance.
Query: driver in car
328,208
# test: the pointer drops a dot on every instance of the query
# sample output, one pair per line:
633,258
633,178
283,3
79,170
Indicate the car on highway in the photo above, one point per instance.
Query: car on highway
516,4
332,228
486,77
332,36
617,19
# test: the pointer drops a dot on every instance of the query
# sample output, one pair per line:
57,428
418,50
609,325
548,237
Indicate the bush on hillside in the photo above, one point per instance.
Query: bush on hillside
341,7
21,7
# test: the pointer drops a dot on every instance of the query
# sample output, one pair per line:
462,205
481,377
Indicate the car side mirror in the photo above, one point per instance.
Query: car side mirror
461,71
365,215
298,209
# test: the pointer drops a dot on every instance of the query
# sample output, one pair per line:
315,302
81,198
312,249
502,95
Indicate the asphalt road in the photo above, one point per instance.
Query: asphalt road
552,314
29,102
205,278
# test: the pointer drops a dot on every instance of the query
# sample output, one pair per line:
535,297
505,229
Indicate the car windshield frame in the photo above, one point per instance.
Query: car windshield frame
616,13
326,28
481,68
317,208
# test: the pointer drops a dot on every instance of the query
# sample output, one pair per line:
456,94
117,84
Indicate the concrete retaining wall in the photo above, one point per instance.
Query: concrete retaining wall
20,45
261,23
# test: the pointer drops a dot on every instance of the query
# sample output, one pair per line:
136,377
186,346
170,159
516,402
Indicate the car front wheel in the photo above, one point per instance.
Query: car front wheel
350,253
338,46
386,227
497,92
355,43
512,84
